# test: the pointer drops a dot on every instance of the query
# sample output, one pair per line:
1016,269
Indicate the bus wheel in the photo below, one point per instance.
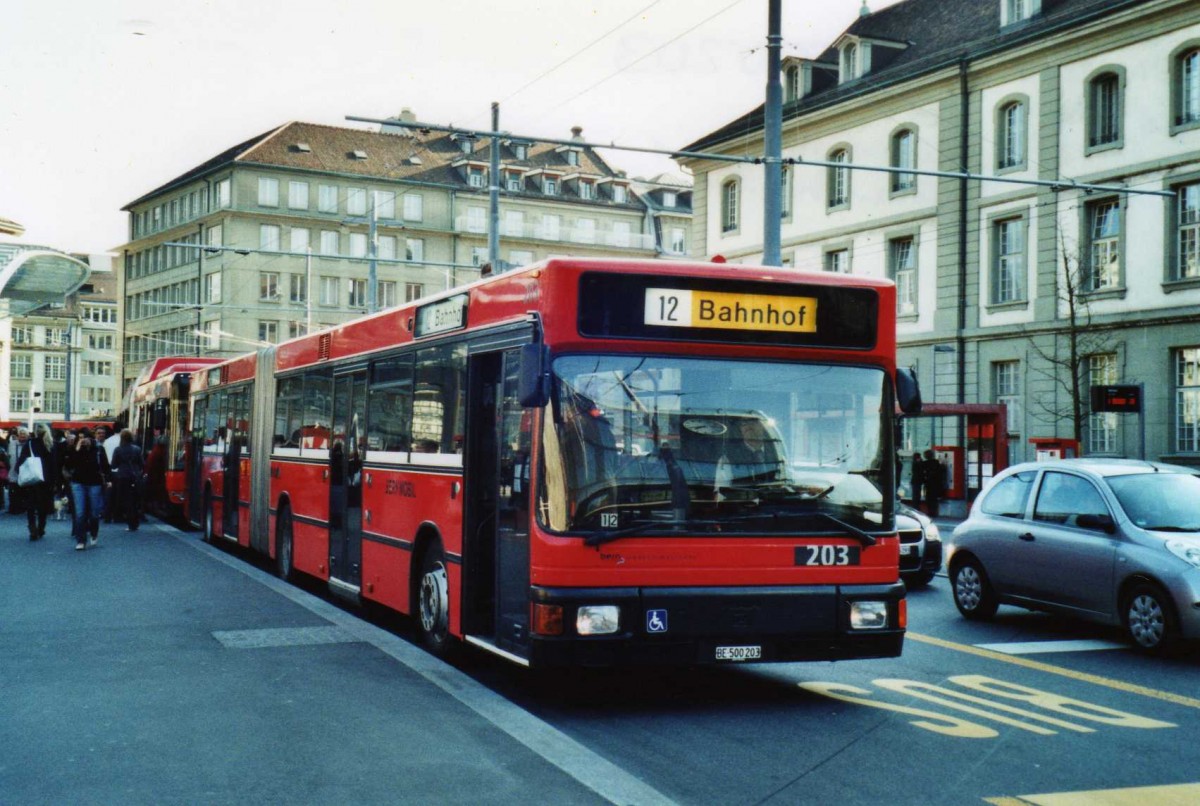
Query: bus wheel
209,535
433,603
283,545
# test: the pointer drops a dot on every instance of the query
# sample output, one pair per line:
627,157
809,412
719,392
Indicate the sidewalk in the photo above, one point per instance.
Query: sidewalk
153,668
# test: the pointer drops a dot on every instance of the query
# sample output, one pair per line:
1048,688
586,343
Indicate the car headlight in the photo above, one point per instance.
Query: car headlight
1188,552
932,534
597,619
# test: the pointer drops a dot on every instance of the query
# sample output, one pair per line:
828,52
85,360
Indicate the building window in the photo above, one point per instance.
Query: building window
414,206
520,257
678,240
56,336
1185,87
730,213
1006,389
212,287
512,181
1102,426
1104,110
99,368
413,291
299,239
1187,233
20,366
296,329
620,194
837,179
329,242
1013,11
904,156
587,190
298,195
268,332
474,176
100,341
1008,267
268,192
327,198
55,367
479,255
55,401
849,62
268,237
298,288
476,219
1104,253
514,223
791,83
387,293
223,191
329,291
358,244
18,401
551,227
903,256
622,234
550,186
385,204
386,246
215,236
838,261
414,249
356,201
357,293
22,335
1011,135
268,286
670,198
1187,400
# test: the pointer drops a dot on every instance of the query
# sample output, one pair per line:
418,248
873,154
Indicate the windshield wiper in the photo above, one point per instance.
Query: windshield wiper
645,527
1168,528
866,538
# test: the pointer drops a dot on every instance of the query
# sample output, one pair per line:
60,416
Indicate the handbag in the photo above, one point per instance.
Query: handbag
31,472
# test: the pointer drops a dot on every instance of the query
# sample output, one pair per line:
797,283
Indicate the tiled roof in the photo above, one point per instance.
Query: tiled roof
413,155
937,33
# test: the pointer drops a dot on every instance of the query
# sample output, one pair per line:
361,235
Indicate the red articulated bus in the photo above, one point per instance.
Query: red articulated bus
584,462
156,411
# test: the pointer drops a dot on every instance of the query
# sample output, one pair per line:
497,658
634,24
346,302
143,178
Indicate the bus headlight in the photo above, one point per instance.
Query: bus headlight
597,619
868,615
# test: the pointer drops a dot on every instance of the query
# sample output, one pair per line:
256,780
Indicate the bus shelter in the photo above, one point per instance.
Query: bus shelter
970,441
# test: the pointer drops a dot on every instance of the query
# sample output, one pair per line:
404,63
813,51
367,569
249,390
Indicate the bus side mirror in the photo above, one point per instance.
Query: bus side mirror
908,391
533,385
158,418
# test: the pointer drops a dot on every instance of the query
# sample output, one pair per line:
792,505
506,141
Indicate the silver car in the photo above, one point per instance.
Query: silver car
1112,540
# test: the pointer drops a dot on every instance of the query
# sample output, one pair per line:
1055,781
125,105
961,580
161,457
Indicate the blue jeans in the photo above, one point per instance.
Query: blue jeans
89,505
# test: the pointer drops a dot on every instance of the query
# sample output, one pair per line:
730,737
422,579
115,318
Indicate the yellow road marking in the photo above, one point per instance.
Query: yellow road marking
1171,795
1097,680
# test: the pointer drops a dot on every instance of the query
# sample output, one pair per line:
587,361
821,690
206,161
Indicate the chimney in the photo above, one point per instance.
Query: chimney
576,132
406,116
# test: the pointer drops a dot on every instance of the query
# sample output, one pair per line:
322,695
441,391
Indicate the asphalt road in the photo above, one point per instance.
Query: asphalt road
156,669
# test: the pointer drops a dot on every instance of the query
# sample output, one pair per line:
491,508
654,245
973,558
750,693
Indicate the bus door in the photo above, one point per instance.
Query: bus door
498,495
349,441
237,425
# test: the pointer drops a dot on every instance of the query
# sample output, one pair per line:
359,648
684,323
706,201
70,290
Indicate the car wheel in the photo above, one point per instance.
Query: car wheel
973,594
1150,619
209,534
921,578
433,604
283,545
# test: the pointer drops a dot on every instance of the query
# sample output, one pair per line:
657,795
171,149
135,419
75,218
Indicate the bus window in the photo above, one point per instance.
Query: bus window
288,411
439,404
318,411
390,406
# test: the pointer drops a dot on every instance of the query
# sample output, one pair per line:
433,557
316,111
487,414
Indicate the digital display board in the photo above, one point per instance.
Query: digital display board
633,306
1125,398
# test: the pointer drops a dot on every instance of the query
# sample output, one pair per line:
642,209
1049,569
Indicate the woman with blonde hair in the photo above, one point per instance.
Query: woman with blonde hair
34,495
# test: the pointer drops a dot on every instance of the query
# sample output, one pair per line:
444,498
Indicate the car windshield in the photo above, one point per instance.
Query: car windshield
639,445
1165,502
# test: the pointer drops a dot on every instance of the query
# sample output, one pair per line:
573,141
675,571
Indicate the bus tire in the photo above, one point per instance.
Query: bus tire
433,603
284,566
210,536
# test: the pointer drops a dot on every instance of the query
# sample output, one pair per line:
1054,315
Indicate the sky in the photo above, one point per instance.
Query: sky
104,100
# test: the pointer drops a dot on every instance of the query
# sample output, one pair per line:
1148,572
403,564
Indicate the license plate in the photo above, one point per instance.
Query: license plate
907,550
739,652
827,555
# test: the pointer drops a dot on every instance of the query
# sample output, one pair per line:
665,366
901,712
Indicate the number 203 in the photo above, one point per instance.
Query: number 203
827,555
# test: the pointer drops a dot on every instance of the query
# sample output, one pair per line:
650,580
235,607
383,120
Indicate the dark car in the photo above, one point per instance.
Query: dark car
1111,540
920,547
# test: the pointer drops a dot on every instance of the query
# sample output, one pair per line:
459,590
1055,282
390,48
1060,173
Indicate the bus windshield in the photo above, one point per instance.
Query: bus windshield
639,445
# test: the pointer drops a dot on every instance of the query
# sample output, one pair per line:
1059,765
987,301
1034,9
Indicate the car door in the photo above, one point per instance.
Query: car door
1070,564
996,539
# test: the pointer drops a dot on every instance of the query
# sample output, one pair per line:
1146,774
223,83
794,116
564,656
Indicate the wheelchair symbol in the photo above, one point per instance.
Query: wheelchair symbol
656,621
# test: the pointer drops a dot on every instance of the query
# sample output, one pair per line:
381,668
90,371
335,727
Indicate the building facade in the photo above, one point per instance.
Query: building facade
1008,292
60,361
272,237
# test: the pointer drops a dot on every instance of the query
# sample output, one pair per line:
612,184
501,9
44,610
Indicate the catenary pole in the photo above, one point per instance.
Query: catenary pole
494,192
773,129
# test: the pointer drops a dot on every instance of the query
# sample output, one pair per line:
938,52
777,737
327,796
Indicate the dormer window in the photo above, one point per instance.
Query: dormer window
669,198
512,181
587,189
550,186
521,151
620,194
1014,11
572,157
850,62
791,83
474,176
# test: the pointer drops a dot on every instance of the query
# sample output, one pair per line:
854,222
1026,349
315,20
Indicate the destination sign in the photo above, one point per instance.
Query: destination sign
728,310
441,316
676,307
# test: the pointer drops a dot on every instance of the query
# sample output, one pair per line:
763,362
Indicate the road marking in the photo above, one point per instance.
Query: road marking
589,768
283,636
1041,647
1169,795
1094,679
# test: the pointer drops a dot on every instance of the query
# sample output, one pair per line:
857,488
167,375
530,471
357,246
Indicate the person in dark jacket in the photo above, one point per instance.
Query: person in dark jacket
128,470
88,467
36,498
933,474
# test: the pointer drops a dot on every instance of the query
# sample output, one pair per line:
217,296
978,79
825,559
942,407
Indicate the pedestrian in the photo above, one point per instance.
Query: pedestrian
128,471
108,444
88,466
934,477
3,476
918,477
62,450
35,495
